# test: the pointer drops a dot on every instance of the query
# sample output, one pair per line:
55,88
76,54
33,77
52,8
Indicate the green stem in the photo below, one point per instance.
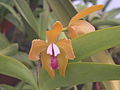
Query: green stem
65,28
87,86
38,66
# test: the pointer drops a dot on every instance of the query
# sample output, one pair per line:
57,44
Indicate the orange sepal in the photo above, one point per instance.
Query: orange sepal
62,61
66,45
46,61
37,47
80,27
85,12
56,30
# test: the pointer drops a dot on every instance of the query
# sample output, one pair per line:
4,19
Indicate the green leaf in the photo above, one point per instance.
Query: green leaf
14,68
88,86
23,57
80,73
3,41
112,13
43,20
92,1
7,87
27,87
112,22
70,9
10,49
90,44
63,10
26,12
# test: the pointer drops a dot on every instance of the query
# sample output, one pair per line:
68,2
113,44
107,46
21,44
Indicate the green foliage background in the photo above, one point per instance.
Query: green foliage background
30,20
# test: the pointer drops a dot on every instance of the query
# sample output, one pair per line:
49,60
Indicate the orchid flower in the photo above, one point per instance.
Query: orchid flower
78,27
54,54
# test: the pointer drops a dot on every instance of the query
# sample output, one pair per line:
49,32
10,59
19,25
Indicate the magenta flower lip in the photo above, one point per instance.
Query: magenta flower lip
54,62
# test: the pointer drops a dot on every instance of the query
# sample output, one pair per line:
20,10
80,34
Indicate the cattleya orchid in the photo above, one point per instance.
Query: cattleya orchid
54,54
78,27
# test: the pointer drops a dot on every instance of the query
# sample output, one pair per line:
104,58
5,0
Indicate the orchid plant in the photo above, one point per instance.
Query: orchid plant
55,54
54,62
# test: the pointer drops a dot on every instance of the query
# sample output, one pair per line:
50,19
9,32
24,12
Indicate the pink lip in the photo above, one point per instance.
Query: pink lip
53,50
54,62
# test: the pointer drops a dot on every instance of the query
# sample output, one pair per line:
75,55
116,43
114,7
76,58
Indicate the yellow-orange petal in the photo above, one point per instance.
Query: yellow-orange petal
62,62
46,63
80,27
85,12
52,35
66,45
37,47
